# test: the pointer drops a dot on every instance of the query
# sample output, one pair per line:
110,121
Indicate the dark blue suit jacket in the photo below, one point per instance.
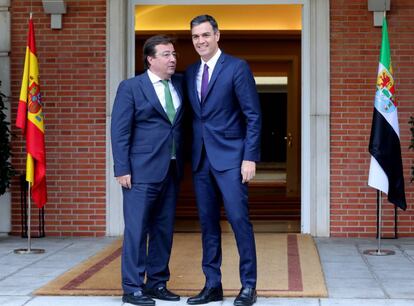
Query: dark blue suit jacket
141,133
228,121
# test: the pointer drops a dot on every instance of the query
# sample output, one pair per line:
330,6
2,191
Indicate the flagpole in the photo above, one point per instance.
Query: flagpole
379,195
29,221
29,249
378,251
395,222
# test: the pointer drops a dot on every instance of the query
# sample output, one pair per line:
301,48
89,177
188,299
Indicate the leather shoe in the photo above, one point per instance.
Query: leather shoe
246,297
138,298
207,295
162,293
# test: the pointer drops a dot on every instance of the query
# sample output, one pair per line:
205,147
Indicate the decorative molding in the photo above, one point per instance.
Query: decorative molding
4,33
4,5
55,8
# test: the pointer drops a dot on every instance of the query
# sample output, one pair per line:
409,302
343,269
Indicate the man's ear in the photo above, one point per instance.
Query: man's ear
217,35
149,60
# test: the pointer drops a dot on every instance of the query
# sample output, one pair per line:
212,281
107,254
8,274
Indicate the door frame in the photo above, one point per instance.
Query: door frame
315,103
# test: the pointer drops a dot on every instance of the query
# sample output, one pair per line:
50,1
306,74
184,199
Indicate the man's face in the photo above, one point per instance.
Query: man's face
164,62
205,41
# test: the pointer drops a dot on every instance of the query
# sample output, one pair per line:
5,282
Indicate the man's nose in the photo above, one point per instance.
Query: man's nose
200,40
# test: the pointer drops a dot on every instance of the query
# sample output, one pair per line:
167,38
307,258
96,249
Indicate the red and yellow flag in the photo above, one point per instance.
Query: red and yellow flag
30,120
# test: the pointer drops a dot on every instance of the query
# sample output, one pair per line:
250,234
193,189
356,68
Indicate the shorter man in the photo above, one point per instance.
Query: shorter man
146,135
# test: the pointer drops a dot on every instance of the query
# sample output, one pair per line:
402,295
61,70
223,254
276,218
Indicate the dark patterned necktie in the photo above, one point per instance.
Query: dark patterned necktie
204,83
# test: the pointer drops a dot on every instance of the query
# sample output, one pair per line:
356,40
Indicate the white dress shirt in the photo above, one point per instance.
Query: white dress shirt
211,64
159,89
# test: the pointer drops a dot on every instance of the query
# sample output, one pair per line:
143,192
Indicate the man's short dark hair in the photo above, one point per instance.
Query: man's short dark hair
204,18
149,46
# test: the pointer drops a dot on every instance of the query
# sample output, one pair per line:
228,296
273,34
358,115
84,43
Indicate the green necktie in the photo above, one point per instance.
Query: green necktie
169,105
168,101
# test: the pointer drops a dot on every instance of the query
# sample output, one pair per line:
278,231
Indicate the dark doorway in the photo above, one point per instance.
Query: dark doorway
273,127
268,53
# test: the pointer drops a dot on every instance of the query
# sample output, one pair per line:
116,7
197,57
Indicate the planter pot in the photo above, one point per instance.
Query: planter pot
5,214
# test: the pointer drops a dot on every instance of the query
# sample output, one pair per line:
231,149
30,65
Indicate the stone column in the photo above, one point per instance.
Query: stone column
319,119
116,72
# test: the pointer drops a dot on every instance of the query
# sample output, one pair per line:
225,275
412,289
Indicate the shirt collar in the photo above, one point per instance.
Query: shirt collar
153,77
212,61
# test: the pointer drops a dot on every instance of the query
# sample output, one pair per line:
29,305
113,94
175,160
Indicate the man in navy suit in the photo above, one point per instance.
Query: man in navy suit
146,135
226,124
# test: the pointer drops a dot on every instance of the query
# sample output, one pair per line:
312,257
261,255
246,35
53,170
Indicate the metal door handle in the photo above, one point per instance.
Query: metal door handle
289,139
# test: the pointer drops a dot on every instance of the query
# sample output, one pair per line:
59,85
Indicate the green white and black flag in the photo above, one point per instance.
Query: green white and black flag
386,170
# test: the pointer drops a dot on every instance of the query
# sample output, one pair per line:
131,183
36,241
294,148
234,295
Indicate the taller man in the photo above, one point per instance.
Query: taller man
146,134
226,145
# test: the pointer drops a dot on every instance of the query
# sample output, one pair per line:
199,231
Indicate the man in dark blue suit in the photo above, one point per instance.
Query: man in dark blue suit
226,124
146,135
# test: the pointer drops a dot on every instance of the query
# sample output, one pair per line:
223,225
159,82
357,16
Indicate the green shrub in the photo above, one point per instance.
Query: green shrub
6,168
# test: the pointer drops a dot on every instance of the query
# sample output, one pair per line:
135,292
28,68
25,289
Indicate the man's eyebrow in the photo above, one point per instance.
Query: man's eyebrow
202,34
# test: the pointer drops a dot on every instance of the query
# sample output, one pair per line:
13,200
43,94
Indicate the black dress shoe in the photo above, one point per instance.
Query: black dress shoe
138,298
207,295
246,297
162,293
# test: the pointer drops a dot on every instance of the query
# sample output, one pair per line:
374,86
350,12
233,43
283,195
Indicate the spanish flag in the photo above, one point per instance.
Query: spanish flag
30,120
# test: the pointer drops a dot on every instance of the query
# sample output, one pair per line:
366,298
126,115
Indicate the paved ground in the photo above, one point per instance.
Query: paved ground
352,278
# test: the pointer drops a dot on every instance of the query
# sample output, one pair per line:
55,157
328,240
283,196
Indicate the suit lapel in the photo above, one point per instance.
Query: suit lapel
151,95
178,89
216,72
195,82
194,98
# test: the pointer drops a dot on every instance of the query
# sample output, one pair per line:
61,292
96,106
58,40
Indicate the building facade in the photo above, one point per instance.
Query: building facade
82,64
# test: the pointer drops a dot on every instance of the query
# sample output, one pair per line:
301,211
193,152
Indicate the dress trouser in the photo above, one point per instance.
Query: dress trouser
149,213
212,186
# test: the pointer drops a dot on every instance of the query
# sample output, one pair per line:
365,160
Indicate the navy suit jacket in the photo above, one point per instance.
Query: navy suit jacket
228,122
141,133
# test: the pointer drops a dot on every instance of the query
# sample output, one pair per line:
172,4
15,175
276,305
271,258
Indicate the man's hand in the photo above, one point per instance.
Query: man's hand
124,181
248,170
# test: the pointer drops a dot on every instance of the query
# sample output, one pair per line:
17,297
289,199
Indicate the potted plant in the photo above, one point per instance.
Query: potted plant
7,170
